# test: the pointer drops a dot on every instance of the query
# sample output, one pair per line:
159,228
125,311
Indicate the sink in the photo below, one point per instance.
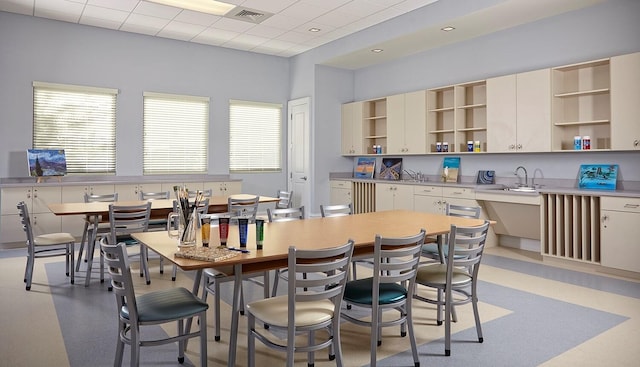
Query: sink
520,189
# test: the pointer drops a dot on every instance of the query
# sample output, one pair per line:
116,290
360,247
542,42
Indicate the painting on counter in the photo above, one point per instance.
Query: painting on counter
598,176
46,162
365,168
391,169
450,168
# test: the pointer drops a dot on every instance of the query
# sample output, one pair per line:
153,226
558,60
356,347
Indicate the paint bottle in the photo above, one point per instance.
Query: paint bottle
577,142
586,142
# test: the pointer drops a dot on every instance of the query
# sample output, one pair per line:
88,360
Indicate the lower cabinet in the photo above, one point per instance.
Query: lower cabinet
619,233
394,196
340,192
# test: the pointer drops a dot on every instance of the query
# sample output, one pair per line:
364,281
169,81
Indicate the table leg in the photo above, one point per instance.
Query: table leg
233,339
91,245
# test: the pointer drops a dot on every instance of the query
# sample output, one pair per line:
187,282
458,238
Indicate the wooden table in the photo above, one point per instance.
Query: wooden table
314,233
159,209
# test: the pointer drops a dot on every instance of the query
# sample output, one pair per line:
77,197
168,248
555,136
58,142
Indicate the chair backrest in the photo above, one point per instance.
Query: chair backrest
329,268
396,260
244,207
117,263
154,195
463,211
285,199
286,214
127,219
26,222
336,210
466,245
105,198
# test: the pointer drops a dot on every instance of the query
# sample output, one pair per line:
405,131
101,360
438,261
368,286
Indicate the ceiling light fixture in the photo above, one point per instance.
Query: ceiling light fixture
447,28
204,6
314,29
377,50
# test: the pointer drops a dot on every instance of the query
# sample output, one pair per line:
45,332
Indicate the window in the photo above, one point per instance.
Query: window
81,120
176,133
255,137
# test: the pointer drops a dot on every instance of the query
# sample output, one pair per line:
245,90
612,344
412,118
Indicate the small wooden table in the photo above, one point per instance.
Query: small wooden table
313,233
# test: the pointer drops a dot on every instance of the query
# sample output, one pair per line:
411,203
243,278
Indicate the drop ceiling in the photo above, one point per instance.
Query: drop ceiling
291,27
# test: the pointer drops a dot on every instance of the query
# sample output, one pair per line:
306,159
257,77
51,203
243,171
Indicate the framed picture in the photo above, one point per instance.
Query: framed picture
365,168
450,168
391,169
46,162
598,176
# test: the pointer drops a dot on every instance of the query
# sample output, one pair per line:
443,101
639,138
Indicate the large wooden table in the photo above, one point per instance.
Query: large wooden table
314,233
159,209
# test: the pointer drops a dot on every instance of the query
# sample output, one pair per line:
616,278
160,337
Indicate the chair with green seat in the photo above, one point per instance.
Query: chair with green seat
311,304
45,245
395,264
459,275
153,308
431,249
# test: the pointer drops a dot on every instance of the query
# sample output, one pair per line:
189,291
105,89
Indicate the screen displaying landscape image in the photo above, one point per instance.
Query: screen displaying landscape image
46,162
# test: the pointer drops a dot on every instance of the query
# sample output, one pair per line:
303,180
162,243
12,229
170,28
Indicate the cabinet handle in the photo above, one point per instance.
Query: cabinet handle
519,146
512,147
636,143
631,206
457,193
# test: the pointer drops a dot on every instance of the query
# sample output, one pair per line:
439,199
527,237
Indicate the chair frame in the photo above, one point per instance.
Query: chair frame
286,199
129,321
396,261
458,274
244,207
285,214
333,265
336,210
46,245
90,226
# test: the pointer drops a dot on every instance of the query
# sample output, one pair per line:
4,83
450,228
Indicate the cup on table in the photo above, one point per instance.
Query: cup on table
243,230
206,231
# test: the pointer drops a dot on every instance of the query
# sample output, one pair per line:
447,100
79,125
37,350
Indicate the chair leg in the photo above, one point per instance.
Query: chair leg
412,335
251,341
71,251
28,274
476,315
82,241
203,339
181,342
447,322
174,273
375,337
276,280
144,254
216,295
119,348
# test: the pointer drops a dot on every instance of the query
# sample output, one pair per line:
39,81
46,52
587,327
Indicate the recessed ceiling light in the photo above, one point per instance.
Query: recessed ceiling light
205,6
377,50
447,29
314,29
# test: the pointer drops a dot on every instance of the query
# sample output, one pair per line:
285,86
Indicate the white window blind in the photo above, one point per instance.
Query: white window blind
81,120
176,133
255,135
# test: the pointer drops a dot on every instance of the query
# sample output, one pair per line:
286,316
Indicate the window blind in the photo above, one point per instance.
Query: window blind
255,135
79,119
176,133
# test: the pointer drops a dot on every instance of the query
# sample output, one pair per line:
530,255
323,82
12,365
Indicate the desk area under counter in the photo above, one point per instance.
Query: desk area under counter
72,189
594,228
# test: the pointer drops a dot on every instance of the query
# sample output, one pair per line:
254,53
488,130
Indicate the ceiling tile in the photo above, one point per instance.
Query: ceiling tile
181,31
194,17
124,5
156,10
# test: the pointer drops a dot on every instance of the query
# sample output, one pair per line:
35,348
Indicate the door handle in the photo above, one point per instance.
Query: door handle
303,178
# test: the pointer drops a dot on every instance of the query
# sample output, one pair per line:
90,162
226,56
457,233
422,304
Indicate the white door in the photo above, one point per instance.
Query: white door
299,160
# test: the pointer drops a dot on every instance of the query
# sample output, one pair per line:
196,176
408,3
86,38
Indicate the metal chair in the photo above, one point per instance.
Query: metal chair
309,305
286,199
93,223
153,308
458,274
283,215
45,245
244,207
432,250
336,210
390,288
124,220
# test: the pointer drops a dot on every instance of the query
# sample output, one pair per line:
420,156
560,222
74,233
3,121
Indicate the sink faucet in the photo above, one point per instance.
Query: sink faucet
526,179
412,174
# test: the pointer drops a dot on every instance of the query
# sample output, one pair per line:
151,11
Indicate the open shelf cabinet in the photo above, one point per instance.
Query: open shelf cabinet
471,115
374,121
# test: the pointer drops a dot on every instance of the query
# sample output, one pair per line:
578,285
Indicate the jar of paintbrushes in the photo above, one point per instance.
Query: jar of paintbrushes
183,223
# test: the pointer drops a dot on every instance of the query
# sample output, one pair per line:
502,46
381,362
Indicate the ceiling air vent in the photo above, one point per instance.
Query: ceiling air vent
248,15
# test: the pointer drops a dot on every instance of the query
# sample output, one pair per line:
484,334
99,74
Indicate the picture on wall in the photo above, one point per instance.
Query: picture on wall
365,168
598,176
391,169
46,162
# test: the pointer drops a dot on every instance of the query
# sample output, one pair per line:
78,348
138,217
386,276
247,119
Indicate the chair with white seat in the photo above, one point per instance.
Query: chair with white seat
45,245
458,274
391,287
283,215
285,199
94,223
153,308
310,304
125,220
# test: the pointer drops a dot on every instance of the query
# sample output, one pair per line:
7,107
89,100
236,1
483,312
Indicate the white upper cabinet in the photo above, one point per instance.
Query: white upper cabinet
625,102
352,128
406,123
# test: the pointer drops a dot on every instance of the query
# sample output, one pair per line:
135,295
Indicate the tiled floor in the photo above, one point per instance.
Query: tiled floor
532,315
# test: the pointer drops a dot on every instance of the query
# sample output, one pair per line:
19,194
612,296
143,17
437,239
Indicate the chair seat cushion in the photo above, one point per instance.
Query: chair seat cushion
50,239
360,291
436,274
274,311
166,304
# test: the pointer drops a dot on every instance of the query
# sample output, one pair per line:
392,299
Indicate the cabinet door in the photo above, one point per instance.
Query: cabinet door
533,131
501,114
352,128
403,197
340,192
43,196
619,235
233,187
127,192
11,196
415,122
625,109
395,124
11,228
384,197
427,199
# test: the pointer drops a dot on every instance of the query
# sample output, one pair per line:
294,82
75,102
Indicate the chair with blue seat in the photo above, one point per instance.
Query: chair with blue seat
458,274
311,304
45,245
153,308
395,264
